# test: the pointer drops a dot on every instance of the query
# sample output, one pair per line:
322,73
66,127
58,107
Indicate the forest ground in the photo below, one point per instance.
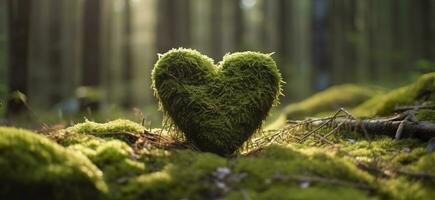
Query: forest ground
292,158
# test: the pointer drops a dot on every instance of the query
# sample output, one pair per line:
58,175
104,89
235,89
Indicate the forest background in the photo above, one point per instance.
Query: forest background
63,60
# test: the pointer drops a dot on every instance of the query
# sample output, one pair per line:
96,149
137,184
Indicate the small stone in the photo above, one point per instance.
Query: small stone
304,184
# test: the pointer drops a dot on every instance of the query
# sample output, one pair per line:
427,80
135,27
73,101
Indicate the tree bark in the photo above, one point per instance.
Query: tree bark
19,24
91,43
55,50
128,59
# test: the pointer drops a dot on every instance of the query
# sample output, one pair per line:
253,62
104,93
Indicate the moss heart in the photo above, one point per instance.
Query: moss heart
216,107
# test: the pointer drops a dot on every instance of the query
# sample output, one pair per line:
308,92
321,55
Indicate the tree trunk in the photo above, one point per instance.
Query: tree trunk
91,43
239,26
55,50
128,59
19,24
216,30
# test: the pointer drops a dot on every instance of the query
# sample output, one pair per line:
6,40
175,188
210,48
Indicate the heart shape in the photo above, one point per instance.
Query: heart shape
216,107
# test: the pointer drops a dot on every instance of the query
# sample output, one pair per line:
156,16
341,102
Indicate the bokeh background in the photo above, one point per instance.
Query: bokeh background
63,60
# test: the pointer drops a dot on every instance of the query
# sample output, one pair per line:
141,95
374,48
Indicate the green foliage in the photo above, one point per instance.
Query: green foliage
421,91
217,107
33,167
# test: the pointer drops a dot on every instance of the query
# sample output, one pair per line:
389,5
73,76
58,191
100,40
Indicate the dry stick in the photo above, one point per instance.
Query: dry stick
364,130
422,130
326,122
400,128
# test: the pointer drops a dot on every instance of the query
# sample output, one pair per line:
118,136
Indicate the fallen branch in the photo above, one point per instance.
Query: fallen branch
422,130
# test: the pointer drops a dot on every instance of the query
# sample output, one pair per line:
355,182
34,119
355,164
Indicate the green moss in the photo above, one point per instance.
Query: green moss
34,167
422,90
289,161
331,99
115,158
402,188
217,107
115,126
313,193
385,149
118,129
187,175
426,115
426,163
67,138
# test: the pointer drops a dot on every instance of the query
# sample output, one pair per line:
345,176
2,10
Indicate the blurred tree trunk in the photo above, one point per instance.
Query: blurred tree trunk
216,30
55,50
239,26
91,43
90,100
321,77
362,40
283,36
173,24
427,23
128,67
19,24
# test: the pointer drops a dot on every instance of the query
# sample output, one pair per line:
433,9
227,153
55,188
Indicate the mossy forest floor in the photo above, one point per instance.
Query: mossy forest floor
122,159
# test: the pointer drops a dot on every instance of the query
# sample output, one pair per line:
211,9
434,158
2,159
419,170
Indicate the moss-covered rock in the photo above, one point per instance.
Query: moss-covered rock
33,167
186,175
325,103
115,126
217,107
117,161
120,129
422,91
331,99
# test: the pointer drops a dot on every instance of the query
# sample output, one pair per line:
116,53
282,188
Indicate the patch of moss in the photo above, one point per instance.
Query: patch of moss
115,158
425,115
402,188
422,90
386,149
426,163
289,161
65,138
34,167
331,99
325,103
118,129
217,107
187,175
297,192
